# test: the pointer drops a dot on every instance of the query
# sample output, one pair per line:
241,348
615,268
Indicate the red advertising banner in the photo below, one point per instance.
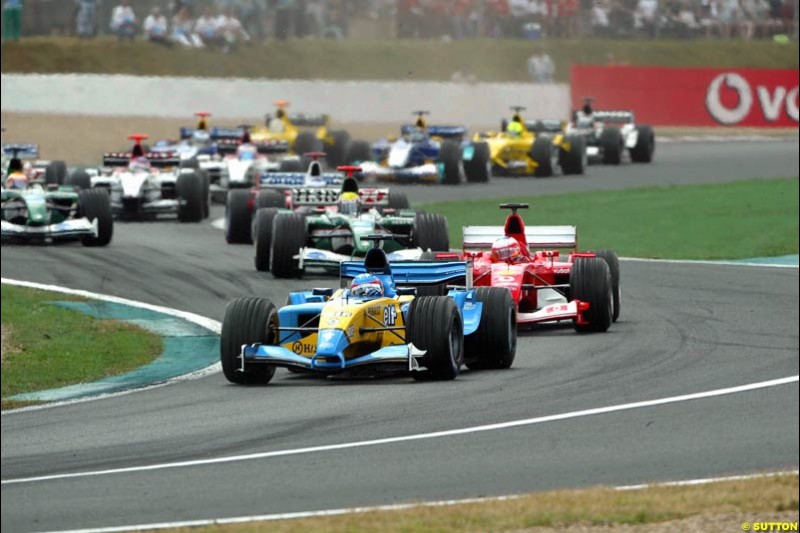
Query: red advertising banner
663,96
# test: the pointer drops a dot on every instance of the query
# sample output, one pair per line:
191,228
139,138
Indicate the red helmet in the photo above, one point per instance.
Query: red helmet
507,250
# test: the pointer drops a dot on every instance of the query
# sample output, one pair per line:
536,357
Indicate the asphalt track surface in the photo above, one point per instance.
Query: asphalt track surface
684,329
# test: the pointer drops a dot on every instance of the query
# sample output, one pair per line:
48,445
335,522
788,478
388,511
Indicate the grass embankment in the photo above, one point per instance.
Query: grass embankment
757,218
713,507
486,59
46,346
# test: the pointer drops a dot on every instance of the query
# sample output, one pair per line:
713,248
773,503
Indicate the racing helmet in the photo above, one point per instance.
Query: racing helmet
246,152
348,203
139,163
366,286
514,128
201,138
17,180
507,250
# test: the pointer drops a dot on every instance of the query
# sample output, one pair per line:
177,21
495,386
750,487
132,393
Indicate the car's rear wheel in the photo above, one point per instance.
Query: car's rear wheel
645,145
590,281
190,189
398,200
542,154
358,152
611,143
430,232
450,159
610,257
494,344
55,173
238,217
288,236
247,321
573,161
307,141
79,179
290,165
263,237
478,168
95,205
434,325
336,151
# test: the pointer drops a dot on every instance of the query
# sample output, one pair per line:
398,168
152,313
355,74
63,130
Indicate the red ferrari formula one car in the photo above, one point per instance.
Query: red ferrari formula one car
583,287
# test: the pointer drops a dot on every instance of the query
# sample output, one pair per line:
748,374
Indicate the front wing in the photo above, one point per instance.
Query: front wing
75,227
428,173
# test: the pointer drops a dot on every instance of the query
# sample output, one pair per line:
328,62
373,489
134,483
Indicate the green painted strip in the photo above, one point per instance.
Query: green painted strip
187,348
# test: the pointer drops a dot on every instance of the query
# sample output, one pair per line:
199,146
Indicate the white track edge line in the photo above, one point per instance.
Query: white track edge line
206,323
704,262
395,507
413,437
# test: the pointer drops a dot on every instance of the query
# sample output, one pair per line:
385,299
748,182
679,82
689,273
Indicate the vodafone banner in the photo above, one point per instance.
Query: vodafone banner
665,96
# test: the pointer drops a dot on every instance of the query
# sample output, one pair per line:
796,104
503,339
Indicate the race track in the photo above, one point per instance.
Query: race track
684,329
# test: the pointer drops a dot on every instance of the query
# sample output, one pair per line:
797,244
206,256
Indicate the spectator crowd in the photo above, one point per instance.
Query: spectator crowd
227,23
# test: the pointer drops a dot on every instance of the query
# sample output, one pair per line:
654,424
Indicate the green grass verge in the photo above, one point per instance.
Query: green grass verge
720,506
486,59
757,218
45,346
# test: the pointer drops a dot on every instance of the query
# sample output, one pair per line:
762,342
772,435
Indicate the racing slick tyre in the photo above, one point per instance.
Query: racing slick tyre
434,325
290,165
206,192
192,163
288,236
398,200
494,344
611,143
270,198
95,205
645,145
337,150
190,189
55,173
590,281
263,236
542,154
450,159
611,258
573,161
358,152
307,141
238,217
478,168
247,321
80,180
430,232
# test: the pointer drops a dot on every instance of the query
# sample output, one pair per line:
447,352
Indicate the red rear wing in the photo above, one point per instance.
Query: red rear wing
481,238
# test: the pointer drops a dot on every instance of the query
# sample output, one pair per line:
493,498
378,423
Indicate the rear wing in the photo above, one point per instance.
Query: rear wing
544,126
322,196
21,151
287,180
414,272
620,117
157,159
272,146
305,120
445,132
481,238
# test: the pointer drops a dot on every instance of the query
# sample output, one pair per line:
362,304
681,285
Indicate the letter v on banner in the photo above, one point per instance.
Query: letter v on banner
665,96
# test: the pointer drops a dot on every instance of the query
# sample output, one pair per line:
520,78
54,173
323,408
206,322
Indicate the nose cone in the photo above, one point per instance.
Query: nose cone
331,342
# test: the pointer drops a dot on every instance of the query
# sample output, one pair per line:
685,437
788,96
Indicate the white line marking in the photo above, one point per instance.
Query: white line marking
414,437
390,507
207,323
704,262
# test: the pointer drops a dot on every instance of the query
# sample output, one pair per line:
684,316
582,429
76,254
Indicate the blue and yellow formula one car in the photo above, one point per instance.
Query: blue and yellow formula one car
381,323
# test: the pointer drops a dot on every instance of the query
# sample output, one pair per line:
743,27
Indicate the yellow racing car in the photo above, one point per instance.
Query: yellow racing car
305,133
533,148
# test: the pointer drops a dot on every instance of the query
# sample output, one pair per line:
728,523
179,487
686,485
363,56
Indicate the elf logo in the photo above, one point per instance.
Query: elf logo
729,111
